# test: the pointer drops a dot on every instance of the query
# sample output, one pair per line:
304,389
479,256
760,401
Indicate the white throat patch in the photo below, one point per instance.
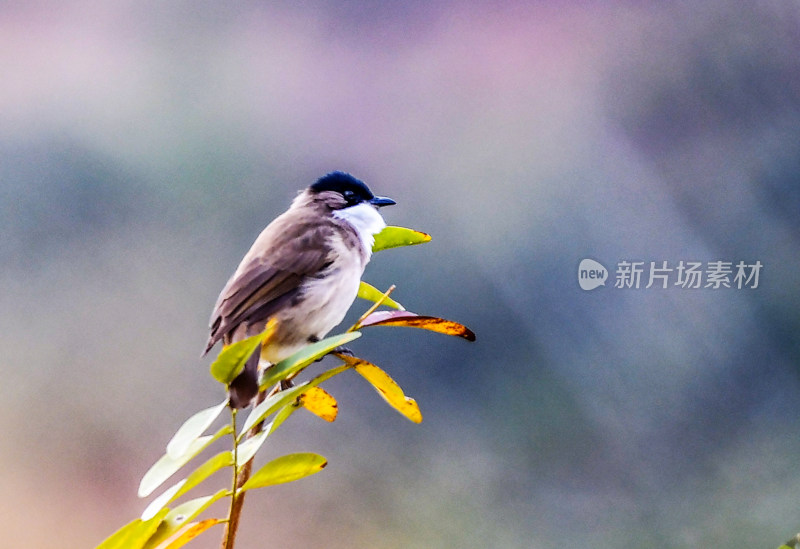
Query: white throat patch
366,220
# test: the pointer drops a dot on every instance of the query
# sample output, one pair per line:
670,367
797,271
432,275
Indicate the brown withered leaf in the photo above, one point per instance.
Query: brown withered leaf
412,320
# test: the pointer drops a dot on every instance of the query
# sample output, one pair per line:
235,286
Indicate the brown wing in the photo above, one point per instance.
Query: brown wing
271,274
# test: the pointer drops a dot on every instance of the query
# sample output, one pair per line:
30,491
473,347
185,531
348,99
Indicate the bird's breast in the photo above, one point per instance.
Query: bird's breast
321,305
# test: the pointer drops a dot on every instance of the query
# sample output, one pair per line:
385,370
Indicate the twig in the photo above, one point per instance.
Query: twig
241,476
371,310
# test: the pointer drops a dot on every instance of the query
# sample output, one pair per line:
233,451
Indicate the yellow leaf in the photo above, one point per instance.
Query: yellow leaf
412,320
319,402
192,532
386,387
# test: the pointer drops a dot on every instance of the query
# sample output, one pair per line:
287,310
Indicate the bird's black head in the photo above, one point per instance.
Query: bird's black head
353,190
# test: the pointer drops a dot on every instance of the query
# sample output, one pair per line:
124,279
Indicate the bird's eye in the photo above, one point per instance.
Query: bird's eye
349,195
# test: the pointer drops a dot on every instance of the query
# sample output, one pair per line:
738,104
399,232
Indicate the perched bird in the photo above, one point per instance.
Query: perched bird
303,270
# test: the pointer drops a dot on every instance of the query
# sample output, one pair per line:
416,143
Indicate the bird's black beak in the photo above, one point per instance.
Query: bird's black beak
380,201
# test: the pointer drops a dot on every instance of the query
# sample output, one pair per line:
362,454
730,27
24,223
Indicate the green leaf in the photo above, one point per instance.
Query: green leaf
282,416
304,357
249,447
325,376
231,360
158,504
285,412
180,516
133,535
371,293
396,237
271,405
183,513
193,428
279,400
168,465
211,466
286,469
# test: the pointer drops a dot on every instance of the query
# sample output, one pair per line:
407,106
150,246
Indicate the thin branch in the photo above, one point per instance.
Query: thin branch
371,310
228,539
241,476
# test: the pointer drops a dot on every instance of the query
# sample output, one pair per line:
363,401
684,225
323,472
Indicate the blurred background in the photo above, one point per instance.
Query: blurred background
144,145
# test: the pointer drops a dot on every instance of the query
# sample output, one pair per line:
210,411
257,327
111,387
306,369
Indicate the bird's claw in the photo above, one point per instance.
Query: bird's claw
340,350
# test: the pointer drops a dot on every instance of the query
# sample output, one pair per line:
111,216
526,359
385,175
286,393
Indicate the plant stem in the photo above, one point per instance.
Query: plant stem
371,310
241,476
230,533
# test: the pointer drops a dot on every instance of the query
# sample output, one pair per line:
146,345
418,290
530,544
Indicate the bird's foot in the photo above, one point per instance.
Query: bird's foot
340,350
286,384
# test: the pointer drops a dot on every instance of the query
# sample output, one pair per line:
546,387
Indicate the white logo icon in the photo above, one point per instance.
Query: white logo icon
591,274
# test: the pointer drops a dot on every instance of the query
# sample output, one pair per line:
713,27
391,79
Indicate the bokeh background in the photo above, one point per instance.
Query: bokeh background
143,145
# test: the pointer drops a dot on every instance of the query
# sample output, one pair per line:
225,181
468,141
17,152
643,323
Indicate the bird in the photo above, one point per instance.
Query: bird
302,273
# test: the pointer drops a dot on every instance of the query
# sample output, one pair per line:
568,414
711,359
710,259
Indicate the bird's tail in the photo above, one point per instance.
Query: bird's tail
244,388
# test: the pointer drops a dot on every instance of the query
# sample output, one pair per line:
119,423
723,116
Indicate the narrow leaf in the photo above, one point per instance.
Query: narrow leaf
249,447
194,531
279,400
211,466
134,534
411,320
320,403
271,405
193,428
231,360
395,237
304,357
121,537
168,465
281,416
386,387
180,516
286,469
325,376
371,293
160,503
